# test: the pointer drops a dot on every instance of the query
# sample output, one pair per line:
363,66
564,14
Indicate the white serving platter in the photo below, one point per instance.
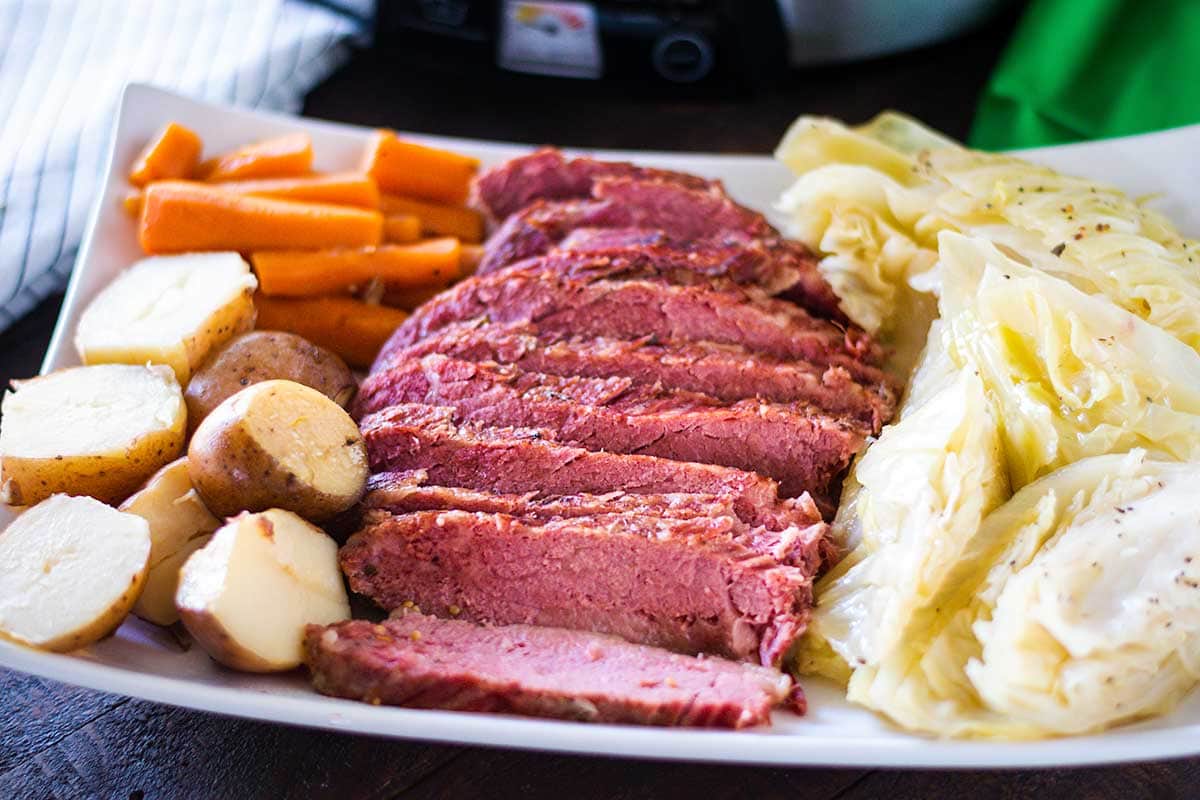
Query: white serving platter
147,662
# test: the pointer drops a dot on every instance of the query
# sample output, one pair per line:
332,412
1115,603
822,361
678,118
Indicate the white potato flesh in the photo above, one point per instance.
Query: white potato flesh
156,603
99,430
249,593
170,310
180,523
72,569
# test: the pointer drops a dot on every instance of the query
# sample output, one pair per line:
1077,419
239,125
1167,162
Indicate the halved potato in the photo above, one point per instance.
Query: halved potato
99,431
261,356
170,310
72,569
180,523
278,444
248,594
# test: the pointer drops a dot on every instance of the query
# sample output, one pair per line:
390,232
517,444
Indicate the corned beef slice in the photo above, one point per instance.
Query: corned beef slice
674,216
796,445
403,492
727,372
634,309
515,461
548,175
425,662
686,585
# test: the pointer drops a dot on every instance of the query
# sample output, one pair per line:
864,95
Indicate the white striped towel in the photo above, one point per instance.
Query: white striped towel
63,64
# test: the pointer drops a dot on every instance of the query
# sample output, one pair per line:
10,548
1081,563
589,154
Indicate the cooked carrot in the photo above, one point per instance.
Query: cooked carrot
174,153
132,203
401,228
179,216
281,157
415,170
472,254
409,299
352,329
304,273
437,219
337,188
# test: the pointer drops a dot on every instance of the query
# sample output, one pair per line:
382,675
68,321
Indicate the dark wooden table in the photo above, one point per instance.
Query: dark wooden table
59,741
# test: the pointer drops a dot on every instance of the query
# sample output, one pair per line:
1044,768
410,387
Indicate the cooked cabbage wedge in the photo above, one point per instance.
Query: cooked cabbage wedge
1060,326
1077,609
872,200
1072,374
908,512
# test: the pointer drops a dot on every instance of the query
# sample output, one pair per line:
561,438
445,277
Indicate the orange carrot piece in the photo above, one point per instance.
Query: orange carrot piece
472,254
281,157
180,216
410,299
132,203
401,228
437,219
336,188
352,329
174,153
304,273
413,169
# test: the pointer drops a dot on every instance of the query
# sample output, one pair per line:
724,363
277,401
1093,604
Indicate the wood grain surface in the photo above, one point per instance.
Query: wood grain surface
59,741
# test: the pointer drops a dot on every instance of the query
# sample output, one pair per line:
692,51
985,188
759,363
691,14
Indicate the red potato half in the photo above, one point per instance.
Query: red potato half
248,594
72,569
180,524
278,444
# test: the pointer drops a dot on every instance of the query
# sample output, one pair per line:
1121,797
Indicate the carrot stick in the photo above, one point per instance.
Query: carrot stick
179,216
409,299
472,254
174,153
337,188
437,219
303,273
132,203
401,228
412,169
352,329
281,157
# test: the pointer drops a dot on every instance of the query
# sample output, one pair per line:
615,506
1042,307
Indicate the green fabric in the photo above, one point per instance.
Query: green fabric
1091,69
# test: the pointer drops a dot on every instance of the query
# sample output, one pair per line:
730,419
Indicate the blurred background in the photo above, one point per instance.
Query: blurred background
700,75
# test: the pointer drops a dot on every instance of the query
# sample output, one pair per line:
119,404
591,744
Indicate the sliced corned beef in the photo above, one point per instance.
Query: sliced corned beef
683,212
728,372
547,174
537,229
403,492
797,445
633,309
583,240
424,662
515,461
684,584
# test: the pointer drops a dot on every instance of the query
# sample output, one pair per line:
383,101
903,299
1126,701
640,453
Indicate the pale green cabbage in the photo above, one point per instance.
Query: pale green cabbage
1076,610
1072,374
911,505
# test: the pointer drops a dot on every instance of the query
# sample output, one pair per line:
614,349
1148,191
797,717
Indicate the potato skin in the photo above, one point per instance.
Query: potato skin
265,355
233,472
106,477
220,646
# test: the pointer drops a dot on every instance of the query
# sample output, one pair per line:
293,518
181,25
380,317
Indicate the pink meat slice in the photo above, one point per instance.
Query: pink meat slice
795,444
727,372
547,174
634,309
527,461
420,661
689,585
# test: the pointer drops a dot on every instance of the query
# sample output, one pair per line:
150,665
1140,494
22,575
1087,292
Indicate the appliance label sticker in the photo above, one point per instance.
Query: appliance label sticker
551,39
